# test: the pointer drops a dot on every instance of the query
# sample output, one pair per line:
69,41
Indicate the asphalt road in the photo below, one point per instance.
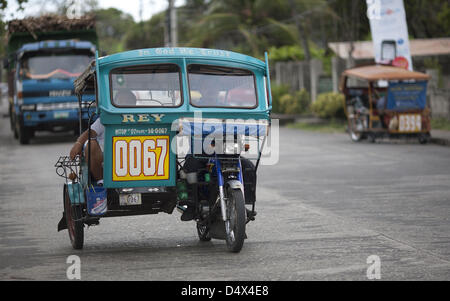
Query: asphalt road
325,208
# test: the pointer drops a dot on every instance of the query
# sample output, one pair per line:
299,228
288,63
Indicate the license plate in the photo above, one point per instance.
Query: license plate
60,115
137,158
130,199
410,123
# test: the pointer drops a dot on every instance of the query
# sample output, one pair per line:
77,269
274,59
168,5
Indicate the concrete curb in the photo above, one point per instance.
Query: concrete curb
440,141
285,119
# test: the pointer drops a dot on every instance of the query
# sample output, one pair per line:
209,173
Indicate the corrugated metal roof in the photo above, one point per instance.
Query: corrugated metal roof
419,47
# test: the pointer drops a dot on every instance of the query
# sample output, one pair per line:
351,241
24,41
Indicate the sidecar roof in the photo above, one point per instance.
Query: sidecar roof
180,52
86,80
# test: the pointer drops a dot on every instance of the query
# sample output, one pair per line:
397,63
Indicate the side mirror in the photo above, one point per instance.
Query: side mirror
104,53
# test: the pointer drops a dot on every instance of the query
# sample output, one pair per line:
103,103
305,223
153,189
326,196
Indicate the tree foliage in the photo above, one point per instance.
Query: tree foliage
290,28
112,27
329,105
146,34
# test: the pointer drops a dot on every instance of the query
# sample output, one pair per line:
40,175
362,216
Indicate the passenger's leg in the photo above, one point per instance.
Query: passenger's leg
96,159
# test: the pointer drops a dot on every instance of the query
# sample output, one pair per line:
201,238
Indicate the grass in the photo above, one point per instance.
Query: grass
440,124
332,126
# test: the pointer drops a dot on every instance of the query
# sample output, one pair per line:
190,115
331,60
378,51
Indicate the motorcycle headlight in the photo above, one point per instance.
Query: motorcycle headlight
233,147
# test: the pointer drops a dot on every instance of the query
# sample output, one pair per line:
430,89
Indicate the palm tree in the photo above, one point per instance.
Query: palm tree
248,25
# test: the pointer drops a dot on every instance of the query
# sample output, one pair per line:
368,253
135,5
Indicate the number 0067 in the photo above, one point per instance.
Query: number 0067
140,158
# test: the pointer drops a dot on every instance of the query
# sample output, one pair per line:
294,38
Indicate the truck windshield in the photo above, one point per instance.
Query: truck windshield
53,66
216,86
146,86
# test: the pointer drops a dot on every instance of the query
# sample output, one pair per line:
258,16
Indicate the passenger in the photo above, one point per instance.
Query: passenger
124,98
381,104
209,97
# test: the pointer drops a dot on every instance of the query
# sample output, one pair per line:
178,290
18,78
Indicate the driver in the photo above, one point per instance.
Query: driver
123,98
381,106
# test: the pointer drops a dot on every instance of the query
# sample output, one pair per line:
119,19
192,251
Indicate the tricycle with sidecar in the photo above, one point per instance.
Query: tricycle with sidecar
386,101
181,142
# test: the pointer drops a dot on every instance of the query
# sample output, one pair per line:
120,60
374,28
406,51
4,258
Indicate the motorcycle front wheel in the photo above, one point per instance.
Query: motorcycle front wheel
236,220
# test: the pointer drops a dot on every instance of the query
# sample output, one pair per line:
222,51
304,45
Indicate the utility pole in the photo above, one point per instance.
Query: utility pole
173,30
166,27
141,21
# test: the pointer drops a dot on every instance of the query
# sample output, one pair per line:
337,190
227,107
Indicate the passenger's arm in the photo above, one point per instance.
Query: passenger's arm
77,148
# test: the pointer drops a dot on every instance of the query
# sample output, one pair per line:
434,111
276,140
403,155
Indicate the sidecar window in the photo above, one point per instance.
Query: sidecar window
146,86
222,87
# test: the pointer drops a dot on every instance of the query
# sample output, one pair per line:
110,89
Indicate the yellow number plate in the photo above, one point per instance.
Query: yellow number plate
410,123
140,158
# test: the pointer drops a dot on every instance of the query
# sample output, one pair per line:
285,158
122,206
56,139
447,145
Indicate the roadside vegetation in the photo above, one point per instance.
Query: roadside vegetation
325,115
290,30
440,124
287,29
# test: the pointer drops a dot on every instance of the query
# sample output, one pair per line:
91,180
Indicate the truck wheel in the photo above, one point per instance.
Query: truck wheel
235,225
74,222
11,118
14,129
16,133
23,133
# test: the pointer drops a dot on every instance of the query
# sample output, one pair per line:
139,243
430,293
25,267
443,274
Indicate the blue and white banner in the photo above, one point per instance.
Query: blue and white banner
389,32
216,127
407,96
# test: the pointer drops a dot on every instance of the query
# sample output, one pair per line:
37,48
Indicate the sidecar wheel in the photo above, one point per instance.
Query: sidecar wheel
237,219
355,134
75,225
203,232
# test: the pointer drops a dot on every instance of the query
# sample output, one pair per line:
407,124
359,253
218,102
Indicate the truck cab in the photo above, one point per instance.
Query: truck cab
44,55
44,98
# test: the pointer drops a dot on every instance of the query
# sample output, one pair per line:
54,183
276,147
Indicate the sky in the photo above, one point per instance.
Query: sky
149,7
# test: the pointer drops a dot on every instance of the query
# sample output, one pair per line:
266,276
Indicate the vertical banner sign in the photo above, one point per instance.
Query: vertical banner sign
389,32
